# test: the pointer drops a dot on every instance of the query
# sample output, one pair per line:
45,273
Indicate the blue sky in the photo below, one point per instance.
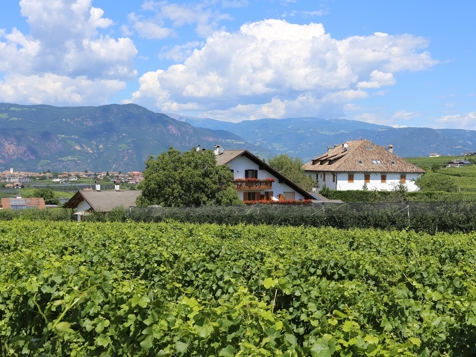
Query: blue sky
399,63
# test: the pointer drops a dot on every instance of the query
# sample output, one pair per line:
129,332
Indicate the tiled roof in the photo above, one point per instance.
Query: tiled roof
361,156
22,203
104,201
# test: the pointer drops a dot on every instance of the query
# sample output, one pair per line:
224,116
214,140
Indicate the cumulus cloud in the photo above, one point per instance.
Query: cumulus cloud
205,19
458,121
273,68
65,41
57,90
179,52
403,114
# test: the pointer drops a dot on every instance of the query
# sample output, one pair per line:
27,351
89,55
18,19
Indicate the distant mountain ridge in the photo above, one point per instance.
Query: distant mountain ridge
122,137
309,137
110,137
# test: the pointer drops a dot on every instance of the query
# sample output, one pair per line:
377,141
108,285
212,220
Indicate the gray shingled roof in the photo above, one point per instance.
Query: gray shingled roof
104,201
361,156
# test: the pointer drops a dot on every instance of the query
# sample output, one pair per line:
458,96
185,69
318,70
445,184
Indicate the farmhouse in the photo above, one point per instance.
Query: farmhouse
357,164
255,180
88,201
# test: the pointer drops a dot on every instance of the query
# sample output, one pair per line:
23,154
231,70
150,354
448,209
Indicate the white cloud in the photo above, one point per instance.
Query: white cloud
150,30
274,68
57,90
234,3
458,121
378,79
65,41
205,19
179,52
403,114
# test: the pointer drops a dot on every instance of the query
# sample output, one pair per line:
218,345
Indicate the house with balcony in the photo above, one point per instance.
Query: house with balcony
360,164
255,180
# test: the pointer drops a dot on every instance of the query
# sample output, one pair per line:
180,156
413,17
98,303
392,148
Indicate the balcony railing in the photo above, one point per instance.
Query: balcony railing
253,185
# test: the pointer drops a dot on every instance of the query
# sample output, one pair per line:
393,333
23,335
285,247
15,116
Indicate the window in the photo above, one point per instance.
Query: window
251,173
403,178
289,195
350,178
376,162
360,162
383,178
250,196
333,177
324,176
367,178
268,195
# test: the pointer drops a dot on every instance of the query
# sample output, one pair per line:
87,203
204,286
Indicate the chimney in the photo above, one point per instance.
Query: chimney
218,150
390,149
329,149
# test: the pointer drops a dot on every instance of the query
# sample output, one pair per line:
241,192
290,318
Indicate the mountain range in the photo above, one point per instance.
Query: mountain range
122,137
110,137
307,138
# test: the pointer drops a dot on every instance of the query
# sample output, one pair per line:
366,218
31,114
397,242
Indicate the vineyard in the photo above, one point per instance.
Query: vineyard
181,289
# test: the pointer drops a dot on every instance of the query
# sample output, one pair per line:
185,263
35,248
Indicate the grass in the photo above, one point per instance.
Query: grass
463,177
429,161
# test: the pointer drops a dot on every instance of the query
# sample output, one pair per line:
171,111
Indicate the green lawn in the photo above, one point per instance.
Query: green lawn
429,161
464,177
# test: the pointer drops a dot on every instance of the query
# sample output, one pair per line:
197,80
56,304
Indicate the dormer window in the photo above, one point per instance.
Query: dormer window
361,162
393,162
369,147
376,162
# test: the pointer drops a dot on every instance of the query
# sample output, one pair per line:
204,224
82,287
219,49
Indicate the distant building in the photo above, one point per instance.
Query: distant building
434,154
361,164
22,203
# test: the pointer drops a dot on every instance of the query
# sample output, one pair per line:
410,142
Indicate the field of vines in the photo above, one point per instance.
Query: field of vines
181,289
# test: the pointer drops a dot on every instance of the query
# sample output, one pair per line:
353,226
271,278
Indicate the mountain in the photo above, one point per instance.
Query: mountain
309,137
109,137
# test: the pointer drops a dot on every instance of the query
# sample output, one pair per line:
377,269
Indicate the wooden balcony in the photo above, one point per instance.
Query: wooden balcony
255,185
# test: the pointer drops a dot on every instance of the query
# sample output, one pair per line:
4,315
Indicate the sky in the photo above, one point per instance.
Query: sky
399,63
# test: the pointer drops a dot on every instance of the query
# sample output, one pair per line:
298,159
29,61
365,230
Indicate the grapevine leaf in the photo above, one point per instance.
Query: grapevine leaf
228,351
147,343
269,283
63,326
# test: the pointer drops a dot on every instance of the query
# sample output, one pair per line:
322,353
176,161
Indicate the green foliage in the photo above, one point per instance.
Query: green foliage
47,194
192,178
432,182
429,217
33,214
292,169
209,290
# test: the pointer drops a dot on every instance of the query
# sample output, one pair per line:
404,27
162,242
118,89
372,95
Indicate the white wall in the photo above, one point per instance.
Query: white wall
241,163
342,184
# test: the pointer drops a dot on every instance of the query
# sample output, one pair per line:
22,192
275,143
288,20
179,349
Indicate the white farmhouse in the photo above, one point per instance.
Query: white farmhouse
255,180
360,163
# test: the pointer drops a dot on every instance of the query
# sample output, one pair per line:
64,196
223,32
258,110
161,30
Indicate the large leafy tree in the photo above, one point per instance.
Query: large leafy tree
48,195
176,179
436,182
292,169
